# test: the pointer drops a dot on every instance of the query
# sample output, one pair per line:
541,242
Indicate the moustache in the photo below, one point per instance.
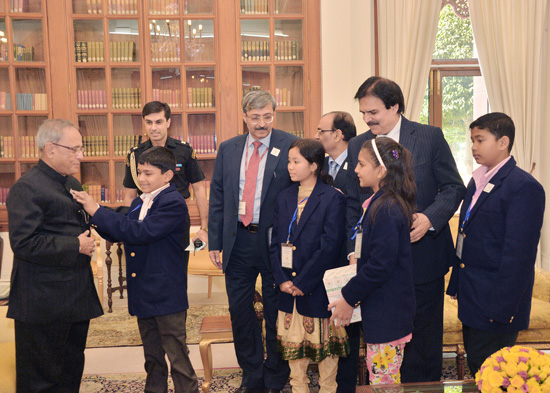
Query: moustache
260,128
372,123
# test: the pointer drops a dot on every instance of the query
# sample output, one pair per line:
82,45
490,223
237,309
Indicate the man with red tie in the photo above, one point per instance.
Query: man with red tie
250,171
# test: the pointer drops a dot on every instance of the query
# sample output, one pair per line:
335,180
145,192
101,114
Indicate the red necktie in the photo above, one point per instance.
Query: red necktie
250,180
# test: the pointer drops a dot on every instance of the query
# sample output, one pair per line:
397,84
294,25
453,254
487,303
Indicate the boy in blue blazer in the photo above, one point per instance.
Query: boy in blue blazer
152,233
499,230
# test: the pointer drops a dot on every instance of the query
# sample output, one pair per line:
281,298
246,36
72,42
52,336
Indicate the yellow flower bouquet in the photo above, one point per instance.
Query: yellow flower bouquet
515,369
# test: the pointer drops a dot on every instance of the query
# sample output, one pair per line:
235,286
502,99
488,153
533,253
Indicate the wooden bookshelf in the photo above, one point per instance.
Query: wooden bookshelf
96,62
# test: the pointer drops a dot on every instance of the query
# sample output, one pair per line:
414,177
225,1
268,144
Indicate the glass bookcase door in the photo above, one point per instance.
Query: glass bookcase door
30,89
288,40
88,41
94,130
124,40
201,132
120,172
91,93
5,95
6,137
165,40
199,40
4,52
194,7
176,127
292,122
126,88
7,178
28,127
94,177
29,6
254,7
87,7
163,7
200,82
166,84
254,78
287,7
289,85
121,7
255,40
28,40
127,132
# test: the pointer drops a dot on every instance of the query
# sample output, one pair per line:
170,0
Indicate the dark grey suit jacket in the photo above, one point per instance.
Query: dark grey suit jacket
224,192
439,192
51,281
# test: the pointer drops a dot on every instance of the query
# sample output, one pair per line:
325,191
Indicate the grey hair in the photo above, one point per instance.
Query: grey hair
51,130
258,99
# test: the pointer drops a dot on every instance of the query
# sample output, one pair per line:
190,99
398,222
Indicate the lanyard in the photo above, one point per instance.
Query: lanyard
135,208
467,216
246,155
357,226
294,217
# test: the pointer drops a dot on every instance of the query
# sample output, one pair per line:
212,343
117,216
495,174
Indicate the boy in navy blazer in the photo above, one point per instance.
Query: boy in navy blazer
152,233
499,230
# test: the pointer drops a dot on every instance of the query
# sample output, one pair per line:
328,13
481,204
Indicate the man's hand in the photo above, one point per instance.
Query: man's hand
296,291
342,312
215,258
420,226
88,203
286,287
202,235
87,244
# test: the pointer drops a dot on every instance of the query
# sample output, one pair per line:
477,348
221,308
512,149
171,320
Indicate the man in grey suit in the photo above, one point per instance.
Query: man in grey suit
439,193
53,296
249,173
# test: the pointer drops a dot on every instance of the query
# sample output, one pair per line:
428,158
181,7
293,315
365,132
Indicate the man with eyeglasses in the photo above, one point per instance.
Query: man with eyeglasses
53,296
250,171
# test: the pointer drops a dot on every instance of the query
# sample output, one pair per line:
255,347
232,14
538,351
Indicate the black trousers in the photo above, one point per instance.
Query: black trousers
245,263
346,378
479,345
166,335
49,358
423,356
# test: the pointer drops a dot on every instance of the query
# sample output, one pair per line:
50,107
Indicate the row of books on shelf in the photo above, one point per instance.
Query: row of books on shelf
31,102
28,147
20,5
101,193
5,101
298,133
254,7
206,186
282,96
95,146
3,52
126,98
92,51
258,50
6,146
117,7
165,50
21,53
91,99
203,144
200,97
123,143
4,191
169,96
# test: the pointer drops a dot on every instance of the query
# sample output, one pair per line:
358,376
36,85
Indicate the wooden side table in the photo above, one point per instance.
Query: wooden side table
214,329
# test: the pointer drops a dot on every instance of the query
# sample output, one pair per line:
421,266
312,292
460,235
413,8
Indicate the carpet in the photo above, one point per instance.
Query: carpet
119,329
223,380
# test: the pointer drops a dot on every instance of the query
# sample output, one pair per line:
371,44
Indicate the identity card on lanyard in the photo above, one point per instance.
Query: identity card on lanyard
460,237
287,248
357,234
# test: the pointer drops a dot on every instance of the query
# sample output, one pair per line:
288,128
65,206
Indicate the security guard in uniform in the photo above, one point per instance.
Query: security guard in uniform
156,116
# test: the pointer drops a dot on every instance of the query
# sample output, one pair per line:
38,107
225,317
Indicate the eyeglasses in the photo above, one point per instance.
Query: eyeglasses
323,131
75,150
268,119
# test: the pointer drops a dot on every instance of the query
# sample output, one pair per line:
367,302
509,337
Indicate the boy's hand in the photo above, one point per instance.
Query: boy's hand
286,287
341,315
215,258
86,200
87,243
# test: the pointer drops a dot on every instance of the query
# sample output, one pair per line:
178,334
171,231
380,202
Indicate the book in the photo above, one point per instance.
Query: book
334,280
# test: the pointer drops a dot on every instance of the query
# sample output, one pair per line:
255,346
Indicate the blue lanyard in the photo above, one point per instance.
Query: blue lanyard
357,226
135,208
467,216
294,217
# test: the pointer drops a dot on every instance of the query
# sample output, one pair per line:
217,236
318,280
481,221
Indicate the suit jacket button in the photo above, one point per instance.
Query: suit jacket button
490,320
293,274
133,254
462,266
133,274
511,319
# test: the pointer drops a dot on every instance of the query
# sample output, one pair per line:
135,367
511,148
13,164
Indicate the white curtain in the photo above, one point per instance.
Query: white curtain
509,36
406,38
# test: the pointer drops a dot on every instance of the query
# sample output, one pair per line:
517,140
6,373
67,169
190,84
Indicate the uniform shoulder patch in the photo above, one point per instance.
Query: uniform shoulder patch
194,155
184,143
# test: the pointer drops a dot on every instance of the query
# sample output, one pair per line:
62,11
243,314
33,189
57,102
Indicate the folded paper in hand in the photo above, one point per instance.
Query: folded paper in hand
335,280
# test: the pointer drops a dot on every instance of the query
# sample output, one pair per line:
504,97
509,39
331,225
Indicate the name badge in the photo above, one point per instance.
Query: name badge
488,187
242,208
345,166
275,152
286,255
358,243
459,244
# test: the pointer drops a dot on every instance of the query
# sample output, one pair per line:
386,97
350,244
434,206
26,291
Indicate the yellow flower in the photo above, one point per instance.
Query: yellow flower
495,379
523,367
511,369
516,381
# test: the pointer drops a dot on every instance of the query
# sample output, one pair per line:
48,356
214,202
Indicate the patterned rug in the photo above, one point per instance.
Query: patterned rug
223,380
119,329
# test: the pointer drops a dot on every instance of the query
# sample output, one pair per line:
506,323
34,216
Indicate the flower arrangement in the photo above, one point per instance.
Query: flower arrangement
515,369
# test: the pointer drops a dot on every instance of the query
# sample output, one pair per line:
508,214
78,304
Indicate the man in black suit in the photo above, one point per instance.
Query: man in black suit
439,193
53,296
250,171
334,131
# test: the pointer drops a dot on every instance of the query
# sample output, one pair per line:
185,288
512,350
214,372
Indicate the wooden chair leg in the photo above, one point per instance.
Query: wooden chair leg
460,352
